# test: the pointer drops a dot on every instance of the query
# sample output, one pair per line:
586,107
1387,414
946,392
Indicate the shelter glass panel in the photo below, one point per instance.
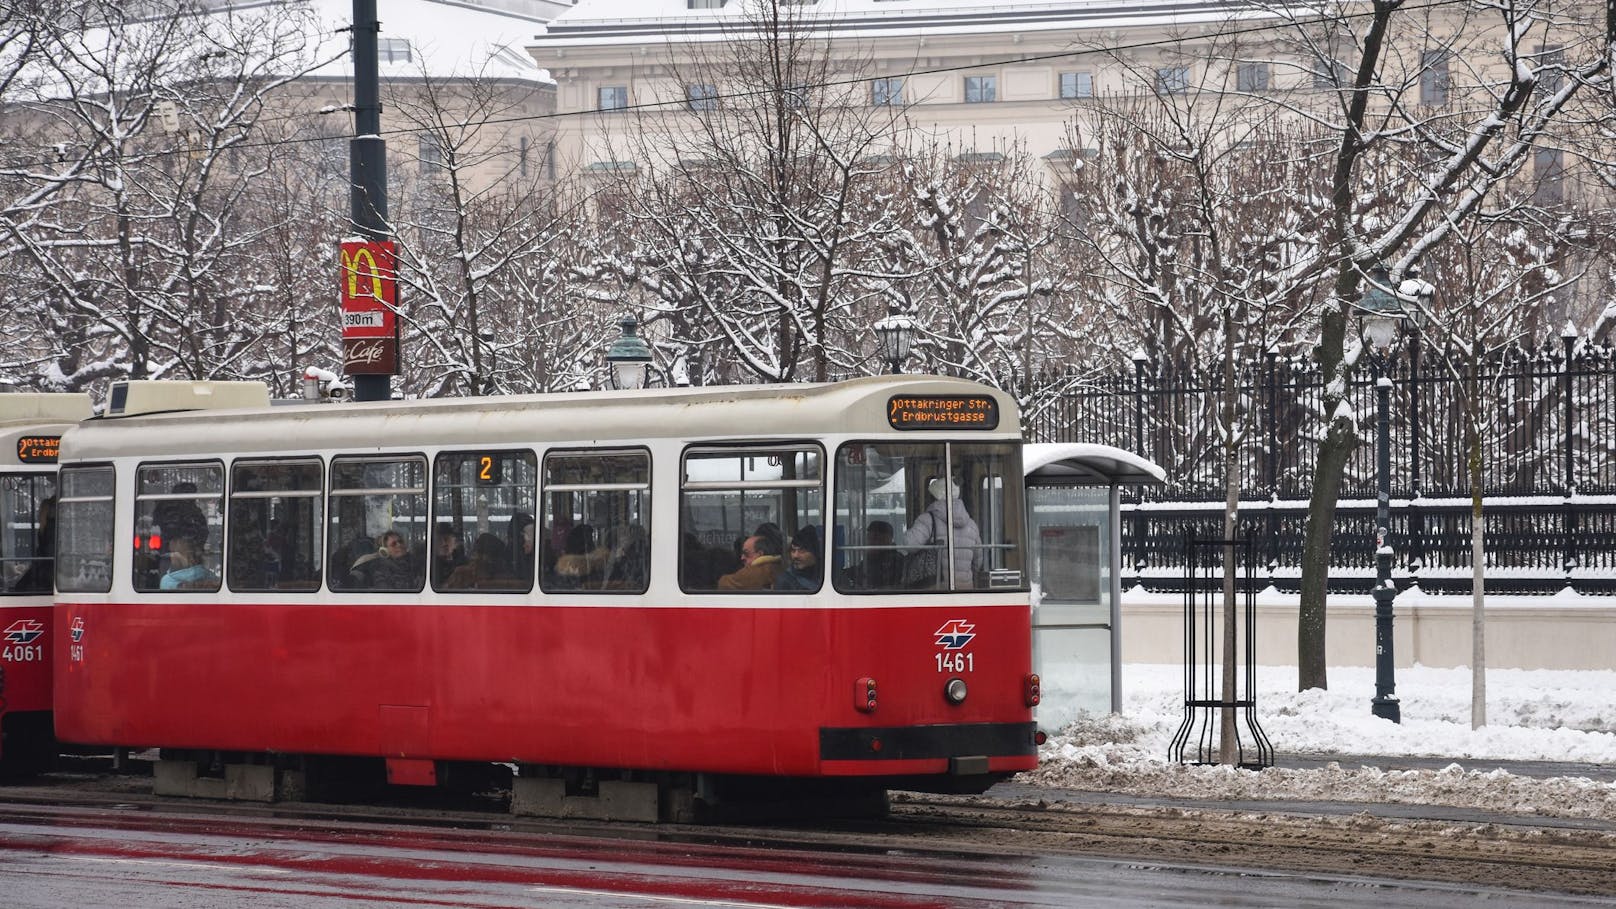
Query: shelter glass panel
487,497
28,507
378,528
179,519
900,526
275,521
741,509
84,542
597,508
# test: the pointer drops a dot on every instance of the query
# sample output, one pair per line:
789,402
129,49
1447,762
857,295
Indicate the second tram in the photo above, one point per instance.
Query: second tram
687,588
31,426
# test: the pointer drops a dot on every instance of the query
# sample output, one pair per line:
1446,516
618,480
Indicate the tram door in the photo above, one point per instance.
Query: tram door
1073,564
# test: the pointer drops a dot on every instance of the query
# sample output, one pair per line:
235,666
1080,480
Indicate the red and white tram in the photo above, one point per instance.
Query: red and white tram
677,586
30,427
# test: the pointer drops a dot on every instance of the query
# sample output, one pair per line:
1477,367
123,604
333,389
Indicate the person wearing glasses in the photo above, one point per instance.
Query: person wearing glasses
760,565
390,567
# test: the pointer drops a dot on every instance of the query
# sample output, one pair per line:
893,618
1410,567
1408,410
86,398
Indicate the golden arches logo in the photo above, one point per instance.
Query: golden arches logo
359,265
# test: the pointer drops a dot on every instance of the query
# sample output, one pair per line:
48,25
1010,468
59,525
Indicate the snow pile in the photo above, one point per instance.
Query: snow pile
1557,716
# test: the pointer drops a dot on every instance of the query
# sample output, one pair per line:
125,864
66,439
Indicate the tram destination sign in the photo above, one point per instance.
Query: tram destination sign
943,412
38,449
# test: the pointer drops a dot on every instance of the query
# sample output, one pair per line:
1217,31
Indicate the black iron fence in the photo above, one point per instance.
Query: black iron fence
1547,446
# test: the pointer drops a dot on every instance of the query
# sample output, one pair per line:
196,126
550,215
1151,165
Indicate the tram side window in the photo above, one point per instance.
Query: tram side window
929,516
179,513
84,540
483,501
740,512
274,525
27,543
378,535
597,515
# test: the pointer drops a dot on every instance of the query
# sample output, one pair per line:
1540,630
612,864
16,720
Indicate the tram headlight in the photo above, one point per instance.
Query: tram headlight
955,691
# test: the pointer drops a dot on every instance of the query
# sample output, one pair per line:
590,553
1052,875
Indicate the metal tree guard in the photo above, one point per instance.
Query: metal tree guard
1205,562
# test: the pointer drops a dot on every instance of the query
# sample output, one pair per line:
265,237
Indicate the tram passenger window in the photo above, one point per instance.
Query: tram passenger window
378,532
487,499
28,508
275,518
739,511
84,539
179,514
933,516
597,515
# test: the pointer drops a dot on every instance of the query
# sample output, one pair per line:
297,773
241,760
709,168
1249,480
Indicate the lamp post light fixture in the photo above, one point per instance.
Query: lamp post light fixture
896,335
628,357
1381,314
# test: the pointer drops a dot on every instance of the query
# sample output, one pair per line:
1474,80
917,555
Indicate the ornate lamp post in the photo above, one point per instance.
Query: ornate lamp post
628,357
1380,314
895,334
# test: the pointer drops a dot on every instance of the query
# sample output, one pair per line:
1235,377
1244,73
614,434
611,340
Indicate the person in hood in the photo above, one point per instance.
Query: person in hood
932,529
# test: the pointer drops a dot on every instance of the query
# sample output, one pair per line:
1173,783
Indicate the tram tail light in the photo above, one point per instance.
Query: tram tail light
864,695
1032,689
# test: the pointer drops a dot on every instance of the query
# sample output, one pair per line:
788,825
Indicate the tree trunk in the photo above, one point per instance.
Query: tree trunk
1338,443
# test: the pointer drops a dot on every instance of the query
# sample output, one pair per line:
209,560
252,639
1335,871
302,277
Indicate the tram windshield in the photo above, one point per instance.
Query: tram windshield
928,516
28,506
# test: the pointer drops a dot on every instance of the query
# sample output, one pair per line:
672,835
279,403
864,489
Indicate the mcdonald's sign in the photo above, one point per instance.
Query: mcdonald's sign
369,293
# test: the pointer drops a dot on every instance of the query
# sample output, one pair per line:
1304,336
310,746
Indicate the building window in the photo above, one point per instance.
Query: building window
1172,80
1252,77
429,153
1331,74
549,160
392,50
1551,68
1076,85
1548,166
521,155
613,97
704,4
887,92
702,97
981,89
1434,80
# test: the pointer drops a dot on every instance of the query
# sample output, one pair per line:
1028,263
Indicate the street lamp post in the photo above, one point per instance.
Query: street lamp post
895,334
628,357
1381,313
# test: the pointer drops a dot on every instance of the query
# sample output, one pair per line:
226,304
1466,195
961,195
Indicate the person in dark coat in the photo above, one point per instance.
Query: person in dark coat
806,562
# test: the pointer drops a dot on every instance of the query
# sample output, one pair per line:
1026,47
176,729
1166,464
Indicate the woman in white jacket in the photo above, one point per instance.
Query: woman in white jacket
932,529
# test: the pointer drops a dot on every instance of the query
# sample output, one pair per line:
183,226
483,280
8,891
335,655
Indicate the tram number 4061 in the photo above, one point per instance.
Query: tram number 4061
956,662
23,653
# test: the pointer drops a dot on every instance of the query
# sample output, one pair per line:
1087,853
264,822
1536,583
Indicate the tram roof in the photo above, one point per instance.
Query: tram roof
737,412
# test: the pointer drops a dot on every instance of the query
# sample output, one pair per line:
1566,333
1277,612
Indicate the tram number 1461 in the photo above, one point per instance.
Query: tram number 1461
956,662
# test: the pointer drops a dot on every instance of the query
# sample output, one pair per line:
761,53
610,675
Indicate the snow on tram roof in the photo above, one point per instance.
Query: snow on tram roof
609,417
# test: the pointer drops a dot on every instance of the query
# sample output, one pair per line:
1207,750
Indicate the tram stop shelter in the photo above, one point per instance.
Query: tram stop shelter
1074,517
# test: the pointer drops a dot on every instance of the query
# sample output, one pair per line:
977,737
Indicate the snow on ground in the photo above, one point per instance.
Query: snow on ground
1533,715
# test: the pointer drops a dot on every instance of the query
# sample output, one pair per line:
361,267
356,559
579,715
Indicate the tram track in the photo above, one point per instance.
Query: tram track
1489,855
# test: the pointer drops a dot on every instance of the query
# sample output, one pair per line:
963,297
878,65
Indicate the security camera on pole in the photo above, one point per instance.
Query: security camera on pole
369,265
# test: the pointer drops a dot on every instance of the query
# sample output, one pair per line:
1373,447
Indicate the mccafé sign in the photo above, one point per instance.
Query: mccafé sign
369,297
